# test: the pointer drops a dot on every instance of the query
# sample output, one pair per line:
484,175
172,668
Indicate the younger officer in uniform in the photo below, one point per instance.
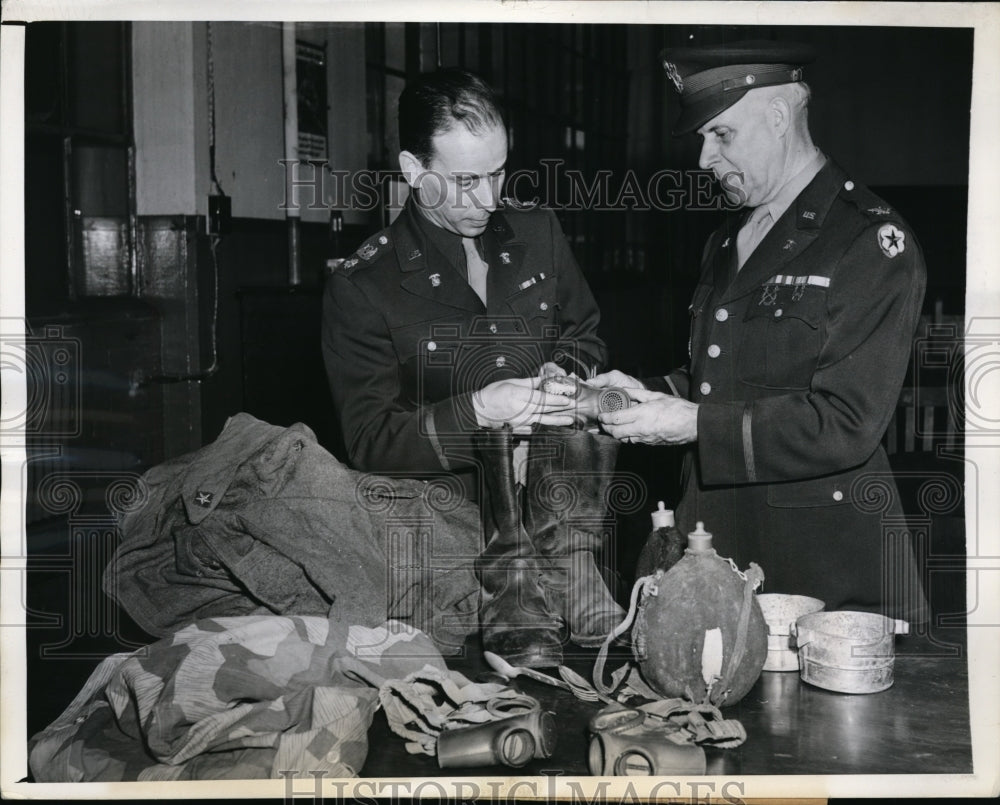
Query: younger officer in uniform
436,335
801,326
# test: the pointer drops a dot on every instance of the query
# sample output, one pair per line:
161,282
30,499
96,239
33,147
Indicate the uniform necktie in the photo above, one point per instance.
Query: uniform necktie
752,233
476,268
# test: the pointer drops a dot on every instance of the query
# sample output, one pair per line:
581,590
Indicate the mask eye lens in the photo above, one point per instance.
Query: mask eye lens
517,747
633,764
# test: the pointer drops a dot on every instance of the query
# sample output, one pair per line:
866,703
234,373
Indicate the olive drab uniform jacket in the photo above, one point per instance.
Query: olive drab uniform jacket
406,341
796,361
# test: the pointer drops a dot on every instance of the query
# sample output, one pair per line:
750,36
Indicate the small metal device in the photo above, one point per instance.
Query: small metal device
590,401
622,744
512,741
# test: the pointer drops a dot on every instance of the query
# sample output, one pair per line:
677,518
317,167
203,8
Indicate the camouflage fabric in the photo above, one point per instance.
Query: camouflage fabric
250,697
265,521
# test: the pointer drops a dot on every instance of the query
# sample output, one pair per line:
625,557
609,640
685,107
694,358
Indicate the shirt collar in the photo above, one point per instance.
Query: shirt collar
790,190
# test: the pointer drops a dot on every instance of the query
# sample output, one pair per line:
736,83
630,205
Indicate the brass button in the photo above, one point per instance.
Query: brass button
493,328
838,495
431,346
778,312
501,361
706,389
721,314
714,351
544,306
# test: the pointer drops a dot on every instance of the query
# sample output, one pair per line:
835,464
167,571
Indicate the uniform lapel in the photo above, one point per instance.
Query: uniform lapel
505,256
724,259
425,271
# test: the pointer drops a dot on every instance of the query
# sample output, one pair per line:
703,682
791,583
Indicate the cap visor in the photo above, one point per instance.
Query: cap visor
694,116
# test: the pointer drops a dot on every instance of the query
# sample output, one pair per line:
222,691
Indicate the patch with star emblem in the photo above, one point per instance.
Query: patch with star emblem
891,240
203,499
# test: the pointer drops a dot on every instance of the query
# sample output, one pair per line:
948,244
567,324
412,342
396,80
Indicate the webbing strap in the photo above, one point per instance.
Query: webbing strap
646,584
754,576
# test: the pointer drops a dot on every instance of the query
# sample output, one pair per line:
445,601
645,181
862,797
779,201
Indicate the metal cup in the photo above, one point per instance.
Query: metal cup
780,612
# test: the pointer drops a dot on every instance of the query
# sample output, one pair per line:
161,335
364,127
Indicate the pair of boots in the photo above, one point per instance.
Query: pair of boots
540,584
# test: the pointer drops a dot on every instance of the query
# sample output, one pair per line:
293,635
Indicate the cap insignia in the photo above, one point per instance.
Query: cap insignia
673,75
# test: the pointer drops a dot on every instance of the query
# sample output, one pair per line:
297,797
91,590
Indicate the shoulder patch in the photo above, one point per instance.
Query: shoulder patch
891,240
515,204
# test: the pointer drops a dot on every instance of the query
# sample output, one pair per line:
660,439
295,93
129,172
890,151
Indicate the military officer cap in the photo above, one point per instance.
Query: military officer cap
712,78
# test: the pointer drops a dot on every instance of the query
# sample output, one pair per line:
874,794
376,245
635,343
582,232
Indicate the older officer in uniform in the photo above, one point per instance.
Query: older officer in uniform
801,326
437,334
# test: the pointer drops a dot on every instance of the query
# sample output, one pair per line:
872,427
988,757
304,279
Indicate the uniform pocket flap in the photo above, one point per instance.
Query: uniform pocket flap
831,490
425,336
780,303
538,299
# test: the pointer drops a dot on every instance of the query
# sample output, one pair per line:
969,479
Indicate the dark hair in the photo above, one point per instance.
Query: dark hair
434,102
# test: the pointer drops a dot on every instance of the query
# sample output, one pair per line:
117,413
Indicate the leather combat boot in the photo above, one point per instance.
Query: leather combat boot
568,475
514,615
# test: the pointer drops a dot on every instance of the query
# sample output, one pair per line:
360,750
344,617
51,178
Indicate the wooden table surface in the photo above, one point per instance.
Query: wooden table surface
919,725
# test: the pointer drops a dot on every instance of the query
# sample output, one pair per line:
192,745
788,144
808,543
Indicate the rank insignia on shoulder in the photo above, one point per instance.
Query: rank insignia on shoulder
368,251
349,263
880,211
891,241
204,499
517,204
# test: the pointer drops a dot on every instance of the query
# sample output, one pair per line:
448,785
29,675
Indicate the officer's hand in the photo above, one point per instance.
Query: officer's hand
658,419
520,403
617,379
